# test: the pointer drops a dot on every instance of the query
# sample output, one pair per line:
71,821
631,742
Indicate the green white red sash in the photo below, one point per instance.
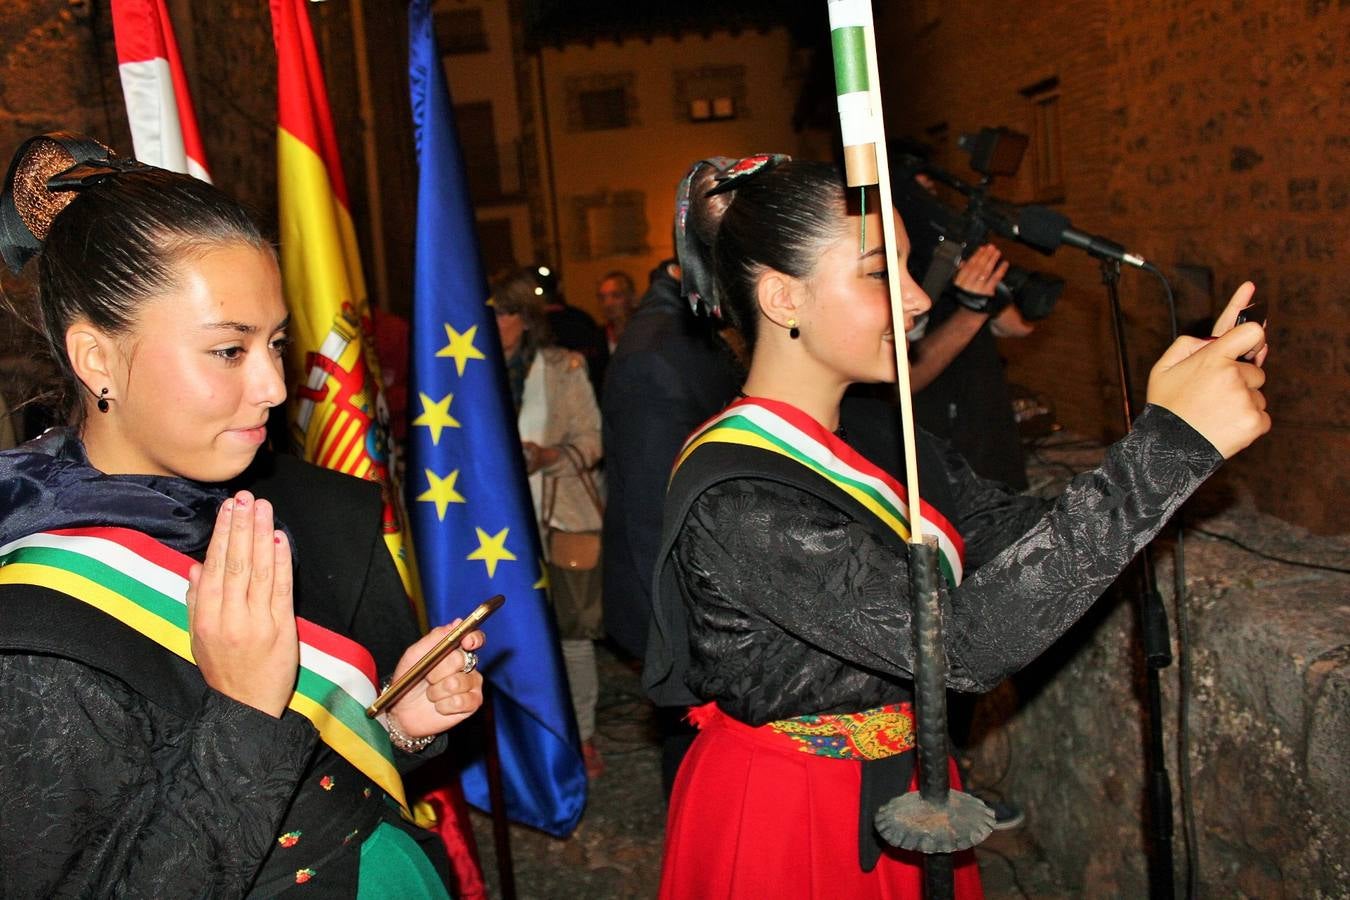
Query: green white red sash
143,584
787,431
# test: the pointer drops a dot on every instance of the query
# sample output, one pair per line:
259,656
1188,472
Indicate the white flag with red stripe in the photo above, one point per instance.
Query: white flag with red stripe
163,127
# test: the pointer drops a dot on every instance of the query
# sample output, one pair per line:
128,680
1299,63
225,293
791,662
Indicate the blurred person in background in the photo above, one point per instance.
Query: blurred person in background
559,425
617,296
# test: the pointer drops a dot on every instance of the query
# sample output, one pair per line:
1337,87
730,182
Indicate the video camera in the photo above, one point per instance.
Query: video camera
959,232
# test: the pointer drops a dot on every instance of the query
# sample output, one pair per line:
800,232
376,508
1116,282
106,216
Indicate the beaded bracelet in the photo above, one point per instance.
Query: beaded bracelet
398,738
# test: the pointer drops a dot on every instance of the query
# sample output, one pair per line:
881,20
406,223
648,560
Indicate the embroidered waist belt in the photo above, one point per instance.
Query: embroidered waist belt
143,584
871,734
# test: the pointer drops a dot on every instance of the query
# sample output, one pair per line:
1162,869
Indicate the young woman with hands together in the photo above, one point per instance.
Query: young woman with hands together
193,625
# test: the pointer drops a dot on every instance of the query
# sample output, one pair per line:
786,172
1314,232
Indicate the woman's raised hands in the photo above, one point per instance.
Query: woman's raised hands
1207,383
241,616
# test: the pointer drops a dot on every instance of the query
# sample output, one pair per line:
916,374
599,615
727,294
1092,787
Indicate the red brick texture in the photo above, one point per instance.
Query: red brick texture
1211,136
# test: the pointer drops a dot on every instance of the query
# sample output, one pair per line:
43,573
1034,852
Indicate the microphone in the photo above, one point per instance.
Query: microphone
1045,229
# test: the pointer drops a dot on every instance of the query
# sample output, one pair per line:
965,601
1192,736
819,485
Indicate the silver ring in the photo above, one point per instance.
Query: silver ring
470,661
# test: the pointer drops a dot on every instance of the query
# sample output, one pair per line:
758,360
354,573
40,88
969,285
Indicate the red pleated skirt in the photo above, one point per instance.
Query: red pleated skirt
752,816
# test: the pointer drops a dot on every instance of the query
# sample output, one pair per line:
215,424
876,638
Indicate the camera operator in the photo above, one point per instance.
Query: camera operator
961,394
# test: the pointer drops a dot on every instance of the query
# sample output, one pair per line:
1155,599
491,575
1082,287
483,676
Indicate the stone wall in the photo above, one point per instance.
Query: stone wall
1269,723
1211,136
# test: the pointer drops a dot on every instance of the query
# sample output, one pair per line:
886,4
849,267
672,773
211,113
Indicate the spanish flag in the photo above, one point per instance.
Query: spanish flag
163,126
338,417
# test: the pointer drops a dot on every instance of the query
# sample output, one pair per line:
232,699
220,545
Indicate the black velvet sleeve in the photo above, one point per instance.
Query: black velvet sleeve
794,603
1056,569
108,795
989,514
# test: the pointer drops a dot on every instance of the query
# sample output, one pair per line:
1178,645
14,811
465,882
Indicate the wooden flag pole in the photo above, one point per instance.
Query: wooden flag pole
858,91
934,820
501,825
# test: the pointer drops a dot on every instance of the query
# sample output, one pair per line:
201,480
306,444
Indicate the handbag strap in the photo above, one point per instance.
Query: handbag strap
547,501
587,480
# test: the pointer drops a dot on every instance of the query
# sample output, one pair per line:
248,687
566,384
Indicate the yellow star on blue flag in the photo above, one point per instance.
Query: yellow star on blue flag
461,347
436,415
466,519
492,550
441,491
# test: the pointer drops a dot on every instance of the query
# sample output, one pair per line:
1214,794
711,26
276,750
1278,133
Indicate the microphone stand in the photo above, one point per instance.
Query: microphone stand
1154,635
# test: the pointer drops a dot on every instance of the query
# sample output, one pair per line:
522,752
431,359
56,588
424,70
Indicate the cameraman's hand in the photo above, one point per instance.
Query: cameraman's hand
981,273
1205,382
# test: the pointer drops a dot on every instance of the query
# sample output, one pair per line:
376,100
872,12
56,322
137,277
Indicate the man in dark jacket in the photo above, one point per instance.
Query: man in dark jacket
669,373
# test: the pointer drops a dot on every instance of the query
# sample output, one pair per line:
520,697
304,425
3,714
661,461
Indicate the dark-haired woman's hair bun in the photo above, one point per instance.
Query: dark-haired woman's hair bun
737,218
108,233
700,202
46,174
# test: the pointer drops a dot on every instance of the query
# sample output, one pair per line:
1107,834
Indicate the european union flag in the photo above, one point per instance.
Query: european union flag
473,522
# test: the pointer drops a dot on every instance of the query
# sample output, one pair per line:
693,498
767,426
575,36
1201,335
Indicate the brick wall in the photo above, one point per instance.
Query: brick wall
50,77
1211,136
58,69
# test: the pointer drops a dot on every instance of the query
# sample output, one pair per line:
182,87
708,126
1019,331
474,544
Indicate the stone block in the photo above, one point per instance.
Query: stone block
1269,714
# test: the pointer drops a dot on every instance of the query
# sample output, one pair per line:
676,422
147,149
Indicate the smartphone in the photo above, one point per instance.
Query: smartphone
1254,313
444,647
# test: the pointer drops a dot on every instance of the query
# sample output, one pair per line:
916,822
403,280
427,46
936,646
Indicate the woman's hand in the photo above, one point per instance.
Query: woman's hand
981,273
241,618
446,696
1206,383
1242,298
537,457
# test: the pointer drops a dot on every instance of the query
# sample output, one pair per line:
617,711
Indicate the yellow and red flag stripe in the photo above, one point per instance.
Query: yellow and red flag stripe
337,413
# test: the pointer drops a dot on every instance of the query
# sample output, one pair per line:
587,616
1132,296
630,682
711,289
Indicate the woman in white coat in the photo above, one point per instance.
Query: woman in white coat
559,425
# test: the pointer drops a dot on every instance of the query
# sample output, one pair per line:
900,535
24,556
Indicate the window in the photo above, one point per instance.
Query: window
609,224
710,94
460,31
1047,173
478,143
600,102
604,108
496,246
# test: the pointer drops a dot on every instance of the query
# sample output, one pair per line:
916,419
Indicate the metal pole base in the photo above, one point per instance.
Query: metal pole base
913,823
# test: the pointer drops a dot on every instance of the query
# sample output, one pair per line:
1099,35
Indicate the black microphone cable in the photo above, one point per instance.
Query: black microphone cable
1192,847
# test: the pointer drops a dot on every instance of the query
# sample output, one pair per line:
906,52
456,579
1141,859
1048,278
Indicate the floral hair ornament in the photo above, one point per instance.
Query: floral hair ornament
46,174
693,245
744,169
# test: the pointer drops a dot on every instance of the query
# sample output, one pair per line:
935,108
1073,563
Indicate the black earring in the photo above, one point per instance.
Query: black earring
103,400
793,331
